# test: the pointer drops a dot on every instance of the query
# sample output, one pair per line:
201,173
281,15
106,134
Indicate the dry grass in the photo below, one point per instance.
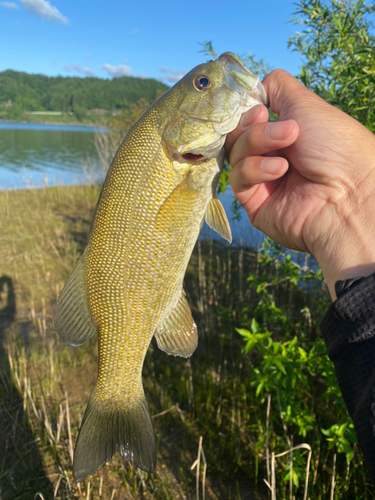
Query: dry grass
45,385
42,235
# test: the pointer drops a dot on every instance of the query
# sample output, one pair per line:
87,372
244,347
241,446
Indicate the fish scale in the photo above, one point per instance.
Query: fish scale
128,285
111,385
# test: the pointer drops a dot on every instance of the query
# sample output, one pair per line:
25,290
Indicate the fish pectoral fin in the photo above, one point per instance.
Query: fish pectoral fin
185,192
216,218
73,321
178,333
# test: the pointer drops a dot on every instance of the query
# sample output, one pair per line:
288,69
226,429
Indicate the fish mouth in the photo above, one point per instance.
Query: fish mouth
193,158
201,152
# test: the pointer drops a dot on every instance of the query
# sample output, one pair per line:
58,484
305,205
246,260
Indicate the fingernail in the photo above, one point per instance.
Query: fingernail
278,130
272,165
248,117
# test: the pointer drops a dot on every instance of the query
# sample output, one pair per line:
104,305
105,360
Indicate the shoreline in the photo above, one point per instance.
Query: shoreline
51,126
69,124
93,124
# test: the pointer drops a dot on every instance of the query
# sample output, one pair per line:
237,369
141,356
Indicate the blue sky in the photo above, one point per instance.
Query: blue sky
158,39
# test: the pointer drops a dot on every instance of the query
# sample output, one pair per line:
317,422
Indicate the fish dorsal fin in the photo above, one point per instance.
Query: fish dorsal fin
73,320
217,219
178,334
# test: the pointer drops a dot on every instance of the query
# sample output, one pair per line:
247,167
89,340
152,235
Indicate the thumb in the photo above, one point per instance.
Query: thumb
284,92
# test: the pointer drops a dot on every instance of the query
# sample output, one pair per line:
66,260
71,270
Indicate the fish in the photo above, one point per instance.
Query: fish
128,284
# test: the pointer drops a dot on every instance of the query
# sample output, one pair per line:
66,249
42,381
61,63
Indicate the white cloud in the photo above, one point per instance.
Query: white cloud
120,70
171,75
141,75
78,69
44,10
134,31
9,5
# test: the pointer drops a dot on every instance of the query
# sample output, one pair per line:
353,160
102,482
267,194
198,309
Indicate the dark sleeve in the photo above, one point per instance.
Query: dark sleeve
348,329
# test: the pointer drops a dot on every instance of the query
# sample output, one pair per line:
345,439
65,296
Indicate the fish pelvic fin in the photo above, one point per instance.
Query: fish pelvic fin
217,219
73,321
178,334
104,430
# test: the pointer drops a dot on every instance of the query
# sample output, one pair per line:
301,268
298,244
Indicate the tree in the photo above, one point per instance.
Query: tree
39,92
338,54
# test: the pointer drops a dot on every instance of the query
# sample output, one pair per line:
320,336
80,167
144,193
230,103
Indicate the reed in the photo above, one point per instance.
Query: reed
196,465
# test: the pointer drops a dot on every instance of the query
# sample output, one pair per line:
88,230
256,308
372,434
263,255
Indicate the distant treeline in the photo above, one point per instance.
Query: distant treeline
72,94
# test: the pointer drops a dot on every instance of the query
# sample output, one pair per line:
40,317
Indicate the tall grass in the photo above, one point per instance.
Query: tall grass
218,435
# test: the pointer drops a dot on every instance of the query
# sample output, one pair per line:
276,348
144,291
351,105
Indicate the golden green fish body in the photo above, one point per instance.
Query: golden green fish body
140,249
128,284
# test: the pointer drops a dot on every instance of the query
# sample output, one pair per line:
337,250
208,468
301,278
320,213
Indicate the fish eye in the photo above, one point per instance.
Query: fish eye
202,82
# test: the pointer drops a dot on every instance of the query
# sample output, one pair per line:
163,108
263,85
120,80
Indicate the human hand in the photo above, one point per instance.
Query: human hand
308,181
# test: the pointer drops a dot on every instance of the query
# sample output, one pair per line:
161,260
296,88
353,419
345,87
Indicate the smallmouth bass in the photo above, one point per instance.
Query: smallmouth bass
128,283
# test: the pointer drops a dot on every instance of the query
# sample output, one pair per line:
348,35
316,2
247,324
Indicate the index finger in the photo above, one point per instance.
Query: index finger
257,114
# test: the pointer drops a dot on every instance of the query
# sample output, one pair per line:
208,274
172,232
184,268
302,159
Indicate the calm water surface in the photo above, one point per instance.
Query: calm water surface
36,155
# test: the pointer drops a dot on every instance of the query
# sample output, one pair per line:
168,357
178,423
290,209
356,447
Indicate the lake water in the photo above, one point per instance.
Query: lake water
36,155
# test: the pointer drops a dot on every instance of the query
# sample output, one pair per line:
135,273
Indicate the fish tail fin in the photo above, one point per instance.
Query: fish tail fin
103,431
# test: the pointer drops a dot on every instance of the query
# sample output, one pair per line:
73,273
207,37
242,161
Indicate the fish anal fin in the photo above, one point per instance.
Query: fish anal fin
216,218
106,429
178,334
73,321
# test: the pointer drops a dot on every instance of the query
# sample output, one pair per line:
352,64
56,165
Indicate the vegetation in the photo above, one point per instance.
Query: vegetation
337,46
243,408
74,95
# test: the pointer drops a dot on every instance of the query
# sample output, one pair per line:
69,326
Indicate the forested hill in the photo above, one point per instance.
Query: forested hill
67,94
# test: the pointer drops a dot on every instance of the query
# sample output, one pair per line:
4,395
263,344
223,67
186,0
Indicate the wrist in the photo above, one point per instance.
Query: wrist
348,252
346,273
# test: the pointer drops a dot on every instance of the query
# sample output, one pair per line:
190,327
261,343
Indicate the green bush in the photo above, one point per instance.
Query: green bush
337,48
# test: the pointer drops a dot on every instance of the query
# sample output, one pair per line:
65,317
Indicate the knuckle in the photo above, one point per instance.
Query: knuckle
242,170
278,74
252,137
